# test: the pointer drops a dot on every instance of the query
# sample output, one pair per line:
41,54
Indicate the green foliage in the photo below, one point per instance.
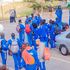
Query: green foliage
68,6
36,5
28,0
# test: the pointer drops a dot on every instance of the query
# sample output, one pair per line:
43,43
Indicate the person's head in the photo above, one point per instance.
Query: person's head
38,14
59,7
26,16
24,46
38,41
32,15
20,21
43,22
51,21
34,25
13,35
30,20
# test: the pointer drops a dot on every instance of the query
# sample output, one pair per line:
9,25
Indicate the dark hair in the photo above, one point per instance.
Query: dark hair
26,16
43,21
38,14
32,14
19,21
59,7
34,25
13,34
51,21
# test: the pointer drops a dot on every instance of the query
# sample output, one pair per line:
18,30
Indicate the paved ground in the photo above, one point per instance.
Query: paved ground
57,61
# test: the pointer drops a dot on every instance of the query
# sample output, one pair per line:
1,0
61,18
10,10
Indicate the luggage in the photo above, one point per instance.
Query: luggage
28,58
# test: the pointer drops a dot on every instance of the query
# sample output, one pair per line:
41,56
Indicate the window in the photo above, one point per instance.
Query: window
68,35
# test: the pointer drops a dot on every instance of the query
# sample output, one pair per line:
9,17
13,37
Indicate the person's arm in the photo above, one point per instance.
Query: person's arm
19,43
3,45
9,44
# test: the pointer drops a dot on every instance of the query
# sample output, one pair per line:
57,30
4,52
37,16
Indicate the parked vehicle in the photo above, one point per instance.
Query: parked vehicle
63,42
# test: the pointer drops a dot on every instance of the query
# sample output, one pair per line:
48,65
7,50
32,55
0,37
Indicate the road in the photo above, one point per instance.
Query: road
57,61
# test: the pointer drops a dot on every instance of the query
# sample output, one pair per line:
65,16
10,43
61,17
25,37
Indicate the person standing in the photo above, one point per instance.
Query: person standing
14,50
43,32
58,12
39,19
34,30
12,16
20,29
3,49
52,33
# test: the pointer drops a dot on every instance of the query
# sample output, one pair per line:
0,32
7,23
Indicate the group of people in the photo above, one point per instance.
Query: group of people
39,35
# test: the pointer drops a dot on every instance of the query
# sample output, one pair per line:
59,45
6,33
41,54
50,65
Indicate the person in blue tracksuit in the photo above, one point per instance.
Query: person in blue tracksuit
27,20
33,53
31,21
34,32
34,21
38,18
14,48
32,16
4,48
43,32
29,35
58,23
21,31
52,33
59,13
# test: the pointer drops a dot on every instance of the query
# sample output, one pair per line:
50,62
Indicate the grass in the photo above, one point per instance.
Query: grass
22,9
25,13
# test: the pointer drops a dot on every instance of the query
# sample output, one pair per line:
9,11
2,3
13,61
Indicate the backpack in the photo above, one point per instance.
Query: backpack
14,47
28,58
27,29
